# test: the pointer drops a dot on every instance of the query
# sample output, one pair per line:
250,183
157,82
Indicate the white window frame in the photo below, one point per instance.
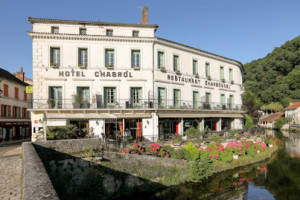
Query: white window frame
179,62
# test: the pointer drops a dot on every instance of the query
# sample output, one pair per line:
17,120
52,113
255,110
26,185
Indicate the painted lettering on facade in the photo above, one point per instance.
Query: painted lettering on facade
217,84
183,79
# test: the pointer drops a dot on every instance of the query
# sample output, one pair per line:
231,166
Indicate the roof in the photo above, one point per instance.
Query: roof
96,23
293,106
9,76
272,118
177,43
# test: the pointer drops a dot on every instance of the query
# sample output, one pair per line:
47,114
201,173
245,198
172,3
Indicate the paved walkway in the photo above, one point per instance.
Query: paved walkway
10,173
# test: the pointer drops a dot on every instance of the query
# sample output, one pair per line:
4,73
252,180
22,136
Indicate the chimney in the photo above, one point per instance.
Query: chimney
20,75
145,15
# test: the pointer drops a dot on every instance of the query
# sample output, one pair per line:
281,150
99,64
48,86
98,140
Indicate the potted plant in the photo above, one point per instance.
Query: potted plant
223,80
82,66
135,67
111,66
54,65
77,101
163,69
209,78
197,75
177,72
232,82
51,103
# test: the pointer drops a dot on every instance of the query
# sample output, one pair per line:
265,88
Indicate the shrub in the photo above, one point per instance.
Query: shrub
169,149
232,132
202,167
178,154
191,151
63,132
248,122
226,156
154,148
251,152
279,123
192,132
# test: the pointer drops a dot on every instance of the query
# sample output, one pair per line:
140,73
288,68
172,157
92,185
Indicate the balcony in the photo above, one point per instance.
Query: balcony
137,104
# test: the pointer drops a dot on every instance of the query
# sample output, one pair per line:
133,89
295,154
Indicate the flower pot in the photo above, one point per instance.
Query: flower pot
258,151
270,145
235,157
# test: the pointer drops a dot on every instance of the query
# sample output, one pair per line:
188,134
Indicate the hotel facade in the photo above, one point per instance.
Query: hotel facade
118,79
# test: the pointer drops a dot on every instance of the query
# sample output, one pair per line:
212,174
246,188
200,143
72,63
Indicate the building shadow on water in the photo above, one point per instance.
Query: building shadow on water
76,178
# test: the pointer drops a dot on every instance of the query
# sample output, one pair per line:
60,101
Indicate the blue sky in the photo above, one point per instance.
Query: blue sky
244,30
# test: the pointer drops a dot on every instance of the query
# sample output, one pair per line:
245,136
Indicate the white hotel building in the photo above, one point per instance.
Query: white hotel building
119,79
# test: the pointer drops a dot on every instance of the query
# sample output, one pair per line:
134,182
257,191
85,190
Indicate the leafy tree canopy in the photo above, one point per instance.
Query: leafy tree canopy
276,77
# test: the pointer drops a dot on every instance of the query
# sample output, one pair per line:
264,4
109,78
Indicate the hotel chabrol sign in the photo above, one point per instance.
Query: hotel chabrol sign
80,73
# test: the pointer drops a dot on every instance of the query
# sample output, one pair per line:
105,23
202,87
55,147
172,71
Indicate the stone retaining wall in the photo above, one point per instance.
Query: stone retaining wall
146,160
36,182
70,145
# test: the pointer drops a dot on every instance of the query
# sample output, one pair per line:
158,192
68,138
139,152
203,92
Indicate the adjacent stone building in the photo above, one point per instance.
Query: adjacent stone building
15,123
119,79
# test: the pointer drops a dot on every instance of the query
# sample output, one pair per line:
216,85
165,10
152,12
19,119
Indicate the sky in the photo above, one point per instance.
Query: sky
244,30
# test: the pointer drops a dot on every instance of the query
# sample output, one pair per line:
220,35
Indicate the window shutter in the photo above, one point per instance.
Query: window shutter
2,110
9,111
5,90
19,113
25,96
14,111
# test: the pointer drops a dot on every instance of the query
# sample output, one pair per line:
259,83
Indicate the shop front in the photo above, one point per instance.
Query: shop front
10,131
168,127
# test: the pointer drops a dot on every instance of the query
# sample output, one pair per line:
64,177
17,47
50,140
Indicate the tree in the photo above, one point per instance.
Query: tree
253,104
248,122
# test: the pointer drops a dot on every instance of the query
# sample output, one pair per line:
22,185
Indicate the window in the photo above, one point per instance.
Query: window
82,31
222,73
4,110
82,57
135,34
109,32
222,99
54,57
176,66
207,103
176,98
161,60
136,97
109,97
230,75
196,99
25,96
135,58
207,70
162,97
231,101
16,93
54,29
5,90
16,111
195,67
55,97
109,58
24,110
83,97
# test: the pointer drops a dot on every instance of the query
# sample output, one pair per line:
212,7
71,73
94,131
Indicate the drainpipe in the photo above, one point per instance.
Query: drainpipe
153,89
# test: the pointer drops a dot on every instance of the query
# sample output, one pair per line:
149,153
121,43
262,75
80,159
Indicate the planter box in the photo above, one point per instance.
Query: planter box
235,157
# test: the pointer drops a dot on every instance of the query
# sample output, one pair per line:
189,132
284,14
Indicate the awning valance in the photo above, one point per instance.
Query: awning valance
199,115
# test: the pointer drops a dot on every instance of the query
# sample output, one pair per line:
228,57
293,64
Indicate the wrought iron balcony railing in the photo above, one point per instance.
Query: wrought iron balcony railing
132,104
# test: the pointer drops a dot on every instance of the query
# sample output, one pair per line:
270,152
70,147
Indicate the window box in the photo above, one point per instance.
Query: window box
232,82
163,69
208,78
223,80
135,67
178,72
82,66
54,65
109,66
197,75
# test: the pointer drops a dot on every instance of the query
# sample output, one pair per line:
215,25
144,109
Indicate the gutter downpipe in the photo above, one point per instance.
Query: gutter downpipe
153,88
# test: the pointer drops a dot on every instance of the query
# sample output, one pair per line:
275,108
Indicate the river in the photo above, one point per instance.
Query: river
276,178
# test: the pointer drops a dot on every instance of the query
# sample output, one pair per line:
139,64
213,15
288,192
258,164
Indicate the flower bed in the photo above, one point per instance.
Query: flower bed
154,149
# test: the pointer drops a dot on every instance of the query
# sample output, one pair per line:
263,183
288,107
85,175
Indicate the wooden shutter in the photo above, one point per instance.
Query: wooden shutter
9,111
25,96
2,110
19,113
14,111
5,90
16,93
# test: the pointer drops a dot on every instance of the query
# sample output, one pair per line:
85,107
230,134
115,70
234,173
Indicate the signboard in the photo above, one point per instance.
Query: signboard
56,122
29,89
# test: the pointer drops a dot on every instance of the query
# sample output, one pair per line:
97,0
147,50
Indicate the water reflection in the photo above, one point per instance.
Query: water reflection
277,178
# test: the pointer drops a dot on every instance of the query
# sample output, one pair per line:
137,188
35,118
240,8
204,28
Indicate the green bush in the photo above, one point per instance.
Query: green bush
63,132
169,149
232,132
178,154
251,152
191,151
202,167
279,123
248,122
226,156
269,141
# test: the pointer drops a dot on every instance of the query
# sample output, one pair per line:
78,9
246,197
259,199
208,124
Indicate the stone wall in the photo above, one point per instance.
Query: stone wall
70,146
146,160
36,182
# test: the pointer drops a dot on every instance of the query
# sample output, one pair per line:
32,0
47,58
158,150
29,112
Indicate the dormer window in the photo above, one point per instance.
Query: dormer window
109,32
135,33
54,29
82,31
